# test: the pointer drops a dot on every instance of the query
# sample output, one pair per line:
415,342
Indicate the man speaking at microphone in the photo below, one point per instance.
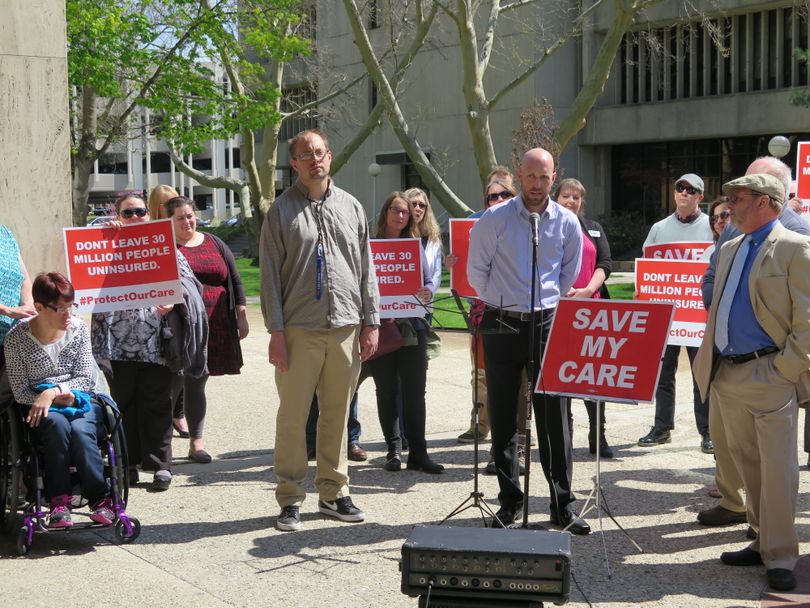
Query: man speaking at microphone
500,269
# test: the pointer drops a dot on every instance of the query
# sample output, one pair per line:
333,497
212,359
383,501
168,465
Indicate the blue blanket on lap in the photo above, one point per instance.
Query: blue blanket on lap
81,404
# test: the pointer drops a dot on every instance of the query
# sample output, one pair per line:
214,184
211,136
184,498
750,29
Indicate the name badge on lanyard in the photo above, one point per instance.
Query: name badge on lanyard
319,271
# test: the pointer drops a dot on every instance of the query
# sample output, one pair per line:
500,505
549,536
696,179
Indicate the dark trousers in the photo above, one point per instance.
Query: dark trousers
507,355
195,403
352,426
665,393
410,364
63,442
143,394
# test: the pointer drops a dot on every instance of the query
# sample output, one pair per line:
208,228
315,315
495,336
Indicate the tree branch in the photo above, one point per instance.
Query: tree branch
520,78
600,71
310,105
516,4
210,181
422,164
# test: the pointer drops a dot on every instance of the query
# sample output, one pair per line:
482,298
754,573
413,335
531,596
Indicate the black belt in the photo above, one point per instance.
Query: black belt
525,316
737,359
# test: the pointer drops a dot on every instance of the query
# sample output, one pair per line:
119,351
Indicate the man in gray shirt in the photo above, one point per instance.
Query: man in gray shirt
321,306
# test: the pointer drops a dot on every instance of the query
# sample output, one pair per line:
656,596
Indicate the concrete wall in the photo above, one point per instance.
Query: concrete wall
34,129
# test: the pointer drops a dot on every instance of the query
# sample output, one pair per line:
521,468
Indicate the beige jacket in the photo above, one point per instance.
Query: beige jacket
779,287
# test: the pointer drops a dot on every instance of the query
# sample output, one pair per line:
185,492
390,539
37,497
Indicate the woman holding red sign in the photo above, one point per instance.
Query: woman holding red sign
224,297
409,362
127,346
595,269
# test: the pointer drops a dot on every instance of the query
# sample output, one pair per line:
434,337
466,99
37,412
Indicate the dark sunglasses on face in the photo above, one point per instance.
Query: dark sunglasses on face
420,205
689,189
139,211
499,195
723,215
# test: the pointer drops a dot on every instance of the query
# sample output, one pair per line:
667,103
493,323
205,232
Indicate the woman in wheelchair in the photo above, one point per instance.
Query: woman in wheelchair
50,370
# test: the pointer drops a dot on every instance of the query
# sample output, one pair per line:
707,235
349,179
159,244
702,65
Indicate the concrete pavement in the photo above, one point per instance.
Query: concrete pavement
210,540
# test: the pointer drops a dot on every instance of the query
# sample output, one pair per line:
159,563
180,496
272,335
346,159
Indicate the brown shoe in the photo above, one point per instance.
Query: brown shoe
720,516
357,453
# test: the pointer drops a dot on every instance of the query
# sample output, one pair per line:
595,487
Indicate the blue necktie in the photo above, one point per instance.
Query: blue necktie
732,283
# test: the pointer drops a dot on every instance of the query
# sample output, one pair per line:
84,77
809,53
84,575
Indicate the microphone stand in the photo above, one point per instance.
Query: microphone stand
527,438
475,499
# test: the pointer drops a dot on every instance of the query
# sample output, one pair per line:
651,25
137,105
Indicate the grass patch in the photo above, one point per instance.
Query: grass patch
621,291
249,271
450,319
226,233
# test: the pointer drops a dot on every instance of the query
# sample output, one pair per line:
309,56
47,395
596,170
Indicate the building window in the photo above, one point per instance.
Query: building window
372,95
161,163
644,173
309,24
201,164
293,99
115,164
716,56
237,162
373,15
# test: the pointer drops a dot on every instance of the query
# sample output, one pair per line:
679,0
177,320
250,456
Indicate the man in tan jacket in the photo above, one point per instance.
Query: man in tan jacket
754,360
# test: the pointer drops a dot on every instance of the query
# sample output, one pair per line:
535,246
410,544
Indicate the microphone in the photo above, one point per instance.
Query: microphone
534,218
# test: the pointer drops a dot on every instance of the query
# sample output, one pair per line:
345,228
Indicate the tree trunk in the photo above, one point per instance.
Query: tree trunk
80,189
435,183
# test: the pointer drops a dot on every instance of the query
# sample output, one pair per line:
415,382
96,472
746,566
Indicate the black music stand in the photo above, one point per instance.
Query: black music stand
475,499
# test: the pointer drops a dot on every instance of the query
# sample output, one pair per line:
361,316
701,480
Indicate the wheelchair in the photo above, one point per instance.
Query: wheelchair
22,484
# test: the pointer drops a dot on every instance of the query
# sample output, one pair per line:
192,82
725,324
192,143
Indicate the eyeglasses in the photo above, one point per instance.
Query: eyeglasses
60,310
503,194
316,155
396,211
689,189
738,197
723,215
139,211
419,205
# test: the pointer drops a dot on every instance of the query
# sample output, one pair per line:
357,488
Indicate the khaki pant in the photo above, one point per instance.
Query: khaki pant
483,412
726,476
760,414
326,362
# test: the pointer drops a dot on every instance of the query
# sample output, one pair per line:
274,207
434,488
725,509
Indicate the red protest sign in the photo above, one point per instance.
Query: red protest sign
608,350
398,264
693,250
678,282
134,266
460,247
803,170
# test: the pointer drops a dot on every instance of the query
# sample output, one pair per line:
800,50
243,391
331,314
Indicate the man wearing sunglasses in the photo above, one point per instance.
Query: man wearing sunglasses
687,224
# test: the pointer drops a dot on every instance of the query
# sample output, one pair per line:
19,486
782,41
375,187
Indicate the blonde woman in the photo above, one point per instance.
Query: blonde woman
427,228
157,201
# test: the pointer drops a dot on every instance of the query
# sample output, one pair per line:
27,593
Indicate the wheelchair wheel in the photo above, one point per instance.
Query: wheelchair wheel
23,542
10,471
124,536
118,440
5,466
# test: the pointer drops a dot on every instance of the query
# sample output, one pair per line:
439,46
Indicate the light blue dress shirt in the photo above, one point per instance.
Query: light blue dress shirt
745,334
499,266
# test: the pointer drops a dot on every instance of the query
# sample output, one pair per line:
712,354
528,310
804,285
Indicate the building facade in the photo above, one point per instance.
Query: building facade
701,91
